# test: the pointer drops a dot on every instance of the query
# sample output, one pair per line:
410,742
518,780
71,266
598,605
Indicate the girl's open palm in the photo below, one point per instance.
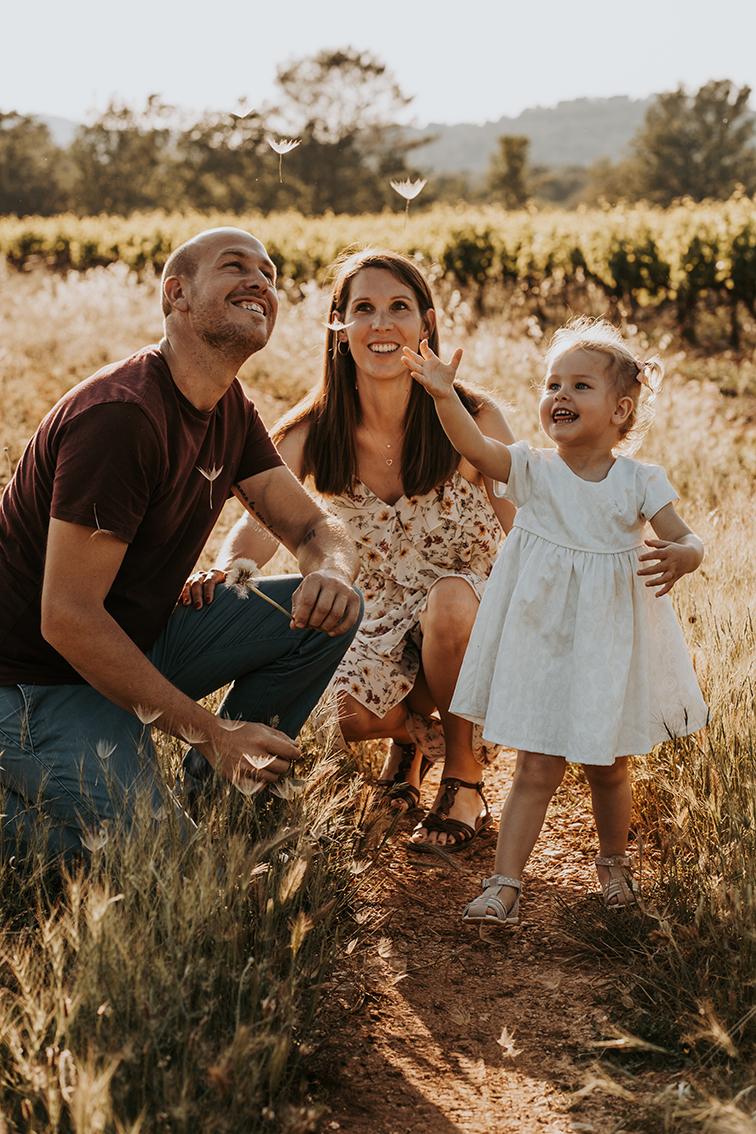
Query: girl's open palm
435,376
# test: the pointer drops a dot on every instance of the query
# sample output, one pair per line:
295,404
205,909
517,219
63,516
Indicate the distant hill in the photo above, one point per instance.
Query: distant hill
577,132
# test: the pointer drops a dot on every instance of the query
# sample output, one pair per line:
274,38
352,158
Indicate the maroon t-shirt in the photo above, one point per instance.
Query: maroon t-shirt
121,451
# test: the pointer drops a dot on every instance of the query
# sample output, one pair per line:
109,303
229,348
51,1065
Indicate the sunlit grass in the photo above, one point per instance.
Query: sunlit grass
182,988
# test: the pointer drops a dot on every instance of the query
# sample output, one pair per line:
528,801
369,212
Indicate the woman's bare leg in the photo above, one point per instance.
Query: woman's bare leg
358,723
446,624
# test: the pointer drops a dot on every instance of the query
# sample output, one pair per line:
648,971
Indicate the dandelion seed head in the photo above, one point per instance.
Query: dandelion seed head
104,749
337,325
247,786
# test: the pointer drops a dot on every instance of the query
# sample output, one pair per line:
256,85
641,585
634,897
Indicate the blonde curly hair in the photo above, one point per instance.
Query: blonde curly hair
632,377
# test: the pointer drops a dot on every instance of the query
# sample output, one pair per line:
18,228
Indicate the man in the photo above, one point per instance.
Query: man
108,510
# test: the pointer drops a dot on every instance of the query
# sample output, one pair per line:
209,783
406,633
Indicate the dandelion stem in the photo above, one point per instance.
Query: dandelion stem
280,169
266,598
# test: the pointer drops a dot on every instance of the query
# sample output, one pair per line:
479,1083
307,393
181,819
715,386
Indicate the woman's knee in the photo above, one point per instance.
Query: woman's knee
358,723
450,610
538,773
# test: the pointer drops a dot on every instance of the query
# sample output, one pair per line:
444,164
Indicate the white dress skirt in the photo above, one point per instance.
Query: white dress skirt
571,654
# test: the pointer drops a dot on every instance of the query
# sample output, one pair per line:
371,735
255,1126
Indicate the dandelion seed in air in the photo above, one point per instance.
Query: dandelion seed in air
192,736
287,789
259,762
210,475
145,714
336,325
282,146
104,750
229,724
409,190
240,579
94,840
242,115
248,786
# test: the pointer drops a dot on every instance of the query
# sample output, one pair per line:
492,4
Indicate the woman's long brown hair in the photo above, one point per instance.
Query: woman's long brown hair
332,409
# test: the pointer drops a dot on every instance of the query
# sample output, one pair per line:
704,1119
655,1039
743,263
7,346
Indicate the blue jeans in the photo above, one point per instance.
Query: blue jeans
73,757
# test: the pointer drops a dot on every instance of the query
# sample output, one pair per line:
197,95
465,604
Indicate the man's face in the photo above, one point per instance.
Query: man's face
232,296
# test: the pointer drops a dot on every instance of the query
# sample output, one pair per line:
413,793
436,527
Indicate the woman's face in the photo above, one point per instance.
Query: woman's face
385,316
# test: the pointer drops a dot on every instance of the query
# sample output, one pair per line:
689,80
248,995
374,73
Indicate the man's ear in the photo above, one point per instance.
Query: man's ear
174,292
622,410
429,323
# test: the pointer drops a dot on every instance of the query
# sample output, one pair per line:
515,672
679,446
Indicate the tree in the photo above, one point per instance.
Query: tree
32,168
125,160
344,105
698,145
507,177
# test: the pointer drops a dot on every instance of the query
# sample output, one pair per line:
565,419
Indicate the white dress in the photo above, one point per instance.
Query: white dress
571,654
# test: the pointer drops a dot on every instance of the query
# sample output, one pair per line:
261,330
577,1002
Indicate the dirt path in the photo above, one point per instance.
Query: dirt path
479,1038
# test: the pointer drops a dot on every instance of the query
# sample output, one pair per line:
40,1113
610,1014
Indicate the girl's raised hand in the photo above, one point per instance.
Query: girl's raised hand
435,376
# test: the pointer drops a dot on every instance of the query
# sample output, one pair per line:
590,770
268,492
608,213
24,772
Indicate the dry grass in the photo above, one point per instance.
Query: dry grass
174,990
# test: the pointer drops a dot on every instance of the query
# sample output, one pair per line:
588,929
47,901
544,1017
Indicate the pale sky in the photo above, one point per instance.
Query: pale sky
462,60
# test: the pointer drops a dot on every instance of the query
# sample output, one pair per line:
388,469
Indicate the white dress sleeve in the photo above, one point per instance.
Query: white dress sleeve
658,492
517,488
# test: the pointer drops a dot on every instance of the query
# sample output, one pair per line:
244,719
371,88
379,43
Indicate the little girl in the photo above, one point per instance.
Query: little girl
572,656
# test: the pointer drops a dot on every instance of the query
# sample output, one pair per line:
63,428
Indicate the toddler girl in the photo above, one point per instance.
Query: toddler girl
576,653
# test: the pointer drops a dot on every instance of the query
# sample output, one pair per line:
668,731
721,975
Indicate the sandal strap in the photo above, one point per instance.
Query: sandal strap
612,860
502,880
434,822
451,785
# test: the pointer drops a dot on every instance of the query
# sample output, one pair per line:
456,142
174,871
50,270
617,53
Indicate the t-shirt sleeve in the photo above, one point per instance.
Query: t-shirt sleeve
259,452
517,487
658,492
108,465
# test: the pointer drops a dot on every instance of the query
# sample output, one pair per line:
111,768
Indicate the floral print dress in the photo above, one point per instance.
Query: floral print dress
404,549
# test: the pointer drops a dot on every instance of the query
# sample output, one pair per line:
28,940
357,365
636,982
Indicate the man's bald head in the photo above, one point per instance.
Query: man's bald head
184,260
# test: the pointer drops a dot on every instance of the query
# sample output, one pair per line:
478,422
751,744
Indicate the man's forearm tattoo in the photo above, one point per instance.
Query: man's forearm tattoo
309,535
252,507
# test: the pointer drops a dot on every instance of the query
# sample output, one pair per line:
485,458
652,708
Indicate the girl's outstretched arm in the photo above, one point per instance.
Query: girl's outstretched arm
490,457
677,552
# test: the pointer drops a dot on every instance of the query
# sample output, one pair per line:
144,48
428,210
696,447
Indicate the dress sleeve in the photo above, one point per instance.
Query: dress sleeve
658,492
517,487
109,463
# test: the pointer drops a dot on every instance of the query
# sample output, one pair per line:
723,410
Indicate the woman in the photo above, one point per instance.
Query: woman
427,527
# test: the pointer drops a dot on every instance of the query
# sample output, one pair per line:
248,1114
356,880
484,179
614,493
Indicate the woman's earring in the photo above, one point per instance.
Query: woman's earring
342,343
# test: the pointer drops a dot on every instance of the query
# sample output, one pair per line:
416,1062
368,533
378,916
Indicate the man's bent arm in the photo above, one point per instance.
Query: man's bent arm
327,557
80,566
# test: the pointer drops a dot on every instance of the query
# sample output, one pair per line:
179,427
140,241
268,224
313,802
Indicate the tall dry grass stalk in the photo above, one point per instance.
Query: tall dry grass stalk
177,986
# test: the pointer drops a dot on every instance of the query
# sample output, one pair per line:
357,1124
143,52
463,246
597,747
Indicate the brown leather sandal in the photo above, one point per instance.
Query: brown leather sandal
396,787
440,821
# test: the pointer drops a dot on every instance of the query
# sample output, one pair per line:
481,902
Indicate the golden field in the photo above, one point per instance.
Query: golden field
160,993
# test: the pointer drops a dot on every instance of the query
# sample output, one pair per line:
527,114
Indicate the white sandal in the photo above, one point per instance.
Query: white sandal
488,911
621,889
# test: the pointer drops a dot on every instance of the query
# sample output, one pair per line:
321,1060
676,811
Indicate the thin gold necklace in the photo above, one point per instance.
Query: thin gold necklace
387,460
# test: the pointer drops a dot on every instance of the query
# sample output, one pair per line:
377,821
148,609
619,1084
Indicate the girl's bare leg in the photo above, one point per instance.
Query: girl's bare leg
536,779
446,624
612,800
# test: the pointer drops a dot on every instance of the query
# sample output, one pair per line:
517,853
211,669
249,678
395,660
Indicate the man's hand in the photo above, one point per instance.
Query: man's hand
326,601
199,588
669,561
247,753
435,376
